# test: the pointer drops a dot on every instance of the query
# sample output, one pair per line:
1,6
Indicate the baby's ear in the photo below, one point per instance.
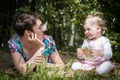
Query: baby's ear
99,29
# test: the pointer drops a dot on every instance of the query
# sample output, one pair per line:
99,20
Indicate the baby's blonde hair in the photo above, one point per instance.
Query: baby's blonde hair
96,18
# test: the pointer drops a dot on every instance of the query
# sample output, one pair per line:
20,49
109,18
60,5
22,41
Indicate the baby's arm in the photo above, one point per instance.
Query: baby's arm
106,52
107,49
80,51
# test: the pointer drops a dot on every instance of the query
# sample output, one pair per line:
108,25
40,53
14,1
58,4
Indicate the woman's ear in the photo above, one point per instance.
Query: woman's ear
27,32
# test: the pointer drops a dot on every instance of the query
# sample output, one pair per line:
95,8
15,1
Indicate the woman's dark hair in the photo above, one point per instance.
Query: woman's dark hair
25,21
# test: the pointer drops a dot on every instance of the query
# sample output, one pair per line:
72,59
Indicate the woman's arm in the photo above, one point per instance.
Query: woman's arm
20,63
56,58
26,67
58,62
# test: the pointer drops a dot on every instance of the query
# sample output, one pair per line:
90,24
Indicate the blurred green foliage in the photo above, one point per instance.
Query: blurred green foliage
61,14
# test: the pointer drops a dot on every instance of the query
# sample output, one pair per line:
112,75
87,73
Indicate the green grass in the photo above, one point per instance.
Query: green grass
44,73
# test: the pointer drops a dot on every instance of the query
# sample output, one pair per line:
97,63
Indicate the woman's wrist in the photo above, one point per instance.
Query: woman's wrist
41,49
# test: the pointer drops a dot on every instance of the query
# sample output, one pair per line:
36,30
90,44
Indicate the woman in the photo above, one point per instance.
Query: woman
29,43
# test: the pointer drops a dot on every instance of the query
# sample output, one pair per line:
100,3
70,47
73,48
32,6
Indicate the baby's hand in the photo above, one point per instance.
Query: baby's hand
97,52
86,53
79,53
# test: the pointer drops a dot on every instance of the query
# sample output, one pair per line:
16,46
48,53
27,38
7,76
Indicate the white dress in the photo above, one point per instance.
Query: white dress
102,64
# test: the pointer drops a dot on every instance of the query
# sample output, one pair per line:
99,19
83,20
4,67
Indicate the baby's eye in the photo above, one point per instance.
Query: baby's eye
88,29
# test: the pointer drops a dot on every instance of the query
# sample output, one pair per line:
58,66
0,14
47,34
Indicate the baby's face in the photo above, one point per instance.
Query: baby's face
92,31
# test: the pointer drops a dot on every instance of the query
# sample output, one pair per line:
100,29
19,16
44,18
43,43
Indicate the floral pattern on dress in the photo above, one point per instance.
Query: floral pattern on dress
15,46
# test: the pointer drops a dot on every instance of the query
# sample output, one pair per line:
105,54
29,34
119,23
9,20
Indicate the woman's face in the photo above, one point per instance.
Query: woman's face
92,31
38,29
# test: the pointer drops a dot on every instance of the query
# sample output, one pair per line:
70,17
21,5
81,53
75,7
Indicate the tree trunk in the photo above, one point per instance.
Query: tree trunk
71,43
57,37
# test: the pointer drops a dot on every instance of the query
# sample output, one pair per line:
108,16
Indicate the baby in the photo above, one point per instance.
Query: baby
99,47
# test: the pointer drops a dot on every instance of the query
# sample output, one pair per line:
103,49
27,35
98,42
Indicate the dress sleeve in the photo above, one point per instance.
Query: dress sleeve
12,46
49,46
107,49
52,46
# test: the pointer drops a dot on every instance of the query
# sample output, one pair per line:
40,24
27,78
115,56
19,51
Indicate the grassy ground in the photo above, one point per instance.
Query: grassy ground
6,73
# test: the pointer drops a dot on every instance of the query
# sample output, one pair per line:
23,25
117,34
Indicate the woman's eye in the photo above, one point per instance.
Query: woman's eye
40,27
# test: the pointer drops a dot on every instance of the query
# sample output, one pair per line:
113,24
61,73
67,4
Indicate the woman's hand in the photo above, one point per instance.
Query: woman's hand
38,46
32,38
38,59
79,53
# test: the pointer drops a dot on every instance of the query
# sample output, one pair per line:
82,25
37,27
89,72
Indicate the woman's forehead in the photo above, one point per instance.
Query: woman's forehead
38,22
